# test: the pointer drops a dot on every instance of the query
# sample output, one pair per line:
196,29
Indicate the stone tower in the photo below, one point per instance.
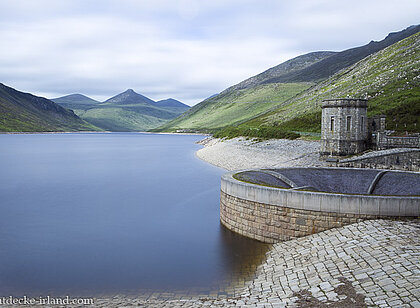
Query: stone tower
344,127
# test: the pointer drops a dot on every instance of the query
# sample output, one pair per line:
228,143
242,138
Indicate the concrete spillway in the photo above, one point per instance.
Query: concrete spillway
280,204
340,180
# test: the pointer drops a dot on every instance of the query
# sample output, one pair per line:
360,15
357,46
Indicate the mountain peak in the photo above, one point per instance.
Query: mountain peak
130,91
129,97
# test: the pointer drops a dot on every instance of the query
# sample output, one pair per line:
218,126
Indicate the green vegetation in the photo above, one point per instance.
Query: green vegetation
260,133
235,107
309,123
114,118
385,72
388,78
23,112
400,103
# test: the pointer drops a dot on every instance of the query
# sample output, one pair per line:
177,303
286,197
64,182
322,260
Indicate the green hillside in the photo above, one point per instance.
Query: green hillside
388,78
247,99
127,111
325,68
276,96
24,112
235,106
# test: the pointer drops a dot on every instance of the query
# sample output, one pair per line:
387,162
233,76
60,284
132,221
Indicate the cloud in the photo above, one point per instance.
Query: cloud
184,49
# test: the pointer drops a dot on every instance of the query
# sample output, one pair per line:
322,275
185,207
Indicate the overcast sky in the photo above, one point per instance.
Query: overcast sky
183,49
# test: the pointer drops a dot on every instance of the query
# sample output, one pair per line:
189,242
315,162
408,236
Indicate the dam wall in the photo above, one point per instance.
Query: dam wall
271,214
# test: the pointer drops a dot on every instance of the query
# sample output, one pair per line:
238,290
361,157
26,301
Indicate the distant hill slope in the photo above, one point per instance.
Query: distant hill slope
274,87
247,99
24,112
75,99
170,102
329,66
282,70
128,111
389,79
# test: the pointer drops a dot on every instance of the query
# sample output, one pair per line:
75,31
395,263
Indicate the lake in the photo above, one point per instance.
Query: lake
106,213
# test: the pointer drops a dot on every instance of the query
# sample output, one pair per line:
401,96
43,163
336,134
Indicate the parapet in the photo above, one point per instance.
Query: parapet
272,205
344,102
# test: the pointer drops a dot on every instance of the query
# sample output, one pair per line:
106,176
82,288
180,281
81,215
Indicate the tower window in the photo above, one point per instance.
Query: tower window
332,124
362,124
348,123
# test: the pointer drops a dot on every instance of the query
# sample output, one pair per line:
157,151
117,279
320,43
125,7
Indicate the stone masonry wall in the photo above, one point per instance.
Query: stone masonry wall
272,223
409,160
387,142
348,133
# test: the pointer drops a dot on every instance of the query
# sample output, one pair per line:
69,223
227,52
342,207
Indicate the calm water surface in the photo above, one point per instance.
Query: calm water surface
97,213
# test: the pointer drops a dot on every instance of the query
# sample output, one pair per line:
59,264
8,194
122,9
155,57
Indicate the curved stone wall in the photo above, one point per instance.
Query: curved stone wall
271,214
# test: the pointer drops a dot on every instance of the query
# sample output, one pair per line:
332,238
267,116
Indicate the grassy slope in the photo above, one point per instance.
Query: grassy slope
246,99
235,106
325,68
272,92
388,78
23,112
126,118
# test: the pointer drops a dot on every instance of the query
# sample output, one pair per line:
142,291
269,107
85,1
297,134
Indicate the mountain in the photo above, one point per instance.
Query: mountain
389,79
75,99
75,102
283,70
275,87
129,97
329,66
128,111
24,112
170,102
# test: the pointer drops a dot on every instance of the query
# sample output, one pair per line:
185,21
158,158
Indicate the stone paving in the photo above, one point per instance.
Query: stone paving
373,263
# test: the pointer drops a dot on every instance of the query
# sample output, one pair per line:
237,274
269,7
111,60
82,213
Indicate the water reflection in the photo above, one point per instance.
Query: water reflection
241,255
113,213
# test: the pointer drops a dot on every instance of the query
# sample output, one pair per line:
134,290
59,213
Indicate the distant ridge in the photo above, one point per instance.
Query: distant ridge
24,112
283,70
330,65
74,99
170,102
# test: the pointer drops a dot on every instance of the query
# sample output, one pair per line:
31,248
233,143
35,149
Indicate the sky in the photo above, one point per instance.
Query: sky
183,49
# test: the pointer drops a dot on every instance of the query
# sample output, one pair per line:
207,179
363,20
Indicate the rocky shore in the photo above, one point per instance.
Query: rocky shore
241,153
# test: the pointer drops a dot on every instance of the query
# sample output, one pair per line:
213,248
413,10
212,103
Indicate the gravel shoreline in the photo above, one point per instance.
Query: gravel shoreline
240,153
